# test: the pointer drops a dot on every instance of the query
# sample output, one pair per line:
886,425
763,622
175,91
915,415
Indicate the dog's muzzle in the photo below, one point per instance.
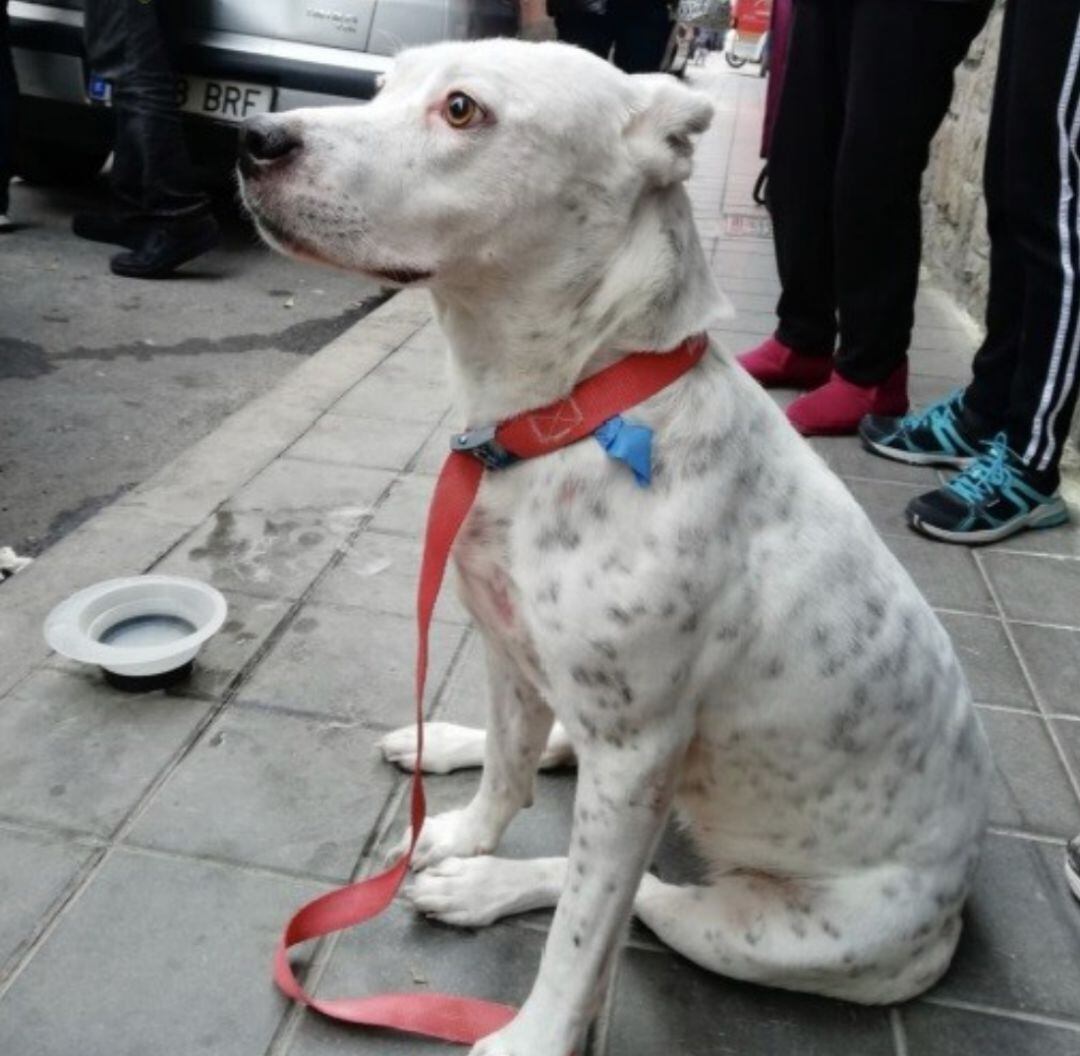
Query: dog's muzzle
267,142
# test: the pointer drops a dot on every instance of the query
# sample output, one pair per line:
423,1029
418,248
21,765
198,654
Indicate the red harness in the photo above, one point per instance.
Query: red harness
600,397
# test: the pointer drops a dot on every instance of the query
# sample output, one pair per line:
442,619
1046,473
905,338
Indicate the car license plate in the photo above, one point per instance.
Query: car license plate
224,100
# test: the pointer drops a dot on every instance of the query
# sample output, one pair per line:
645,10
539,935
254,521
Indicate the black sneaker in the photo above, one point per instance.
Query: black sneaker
941,435
1072,865
113,230
166,247
990,500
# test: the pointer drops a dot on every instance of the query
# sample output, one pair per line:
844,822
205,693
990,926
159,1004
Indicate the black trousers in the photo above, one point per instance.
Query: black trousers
867,84
633,33
1027,372
9,100
133,42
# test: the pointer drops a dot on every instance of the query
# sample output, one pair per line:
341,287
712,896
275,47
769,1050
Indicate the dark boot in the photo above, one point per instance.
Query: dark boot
165,247
109,228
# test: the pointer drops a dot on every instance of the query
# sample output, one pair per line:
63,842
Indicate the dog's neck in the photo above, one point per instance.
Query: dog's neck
522,338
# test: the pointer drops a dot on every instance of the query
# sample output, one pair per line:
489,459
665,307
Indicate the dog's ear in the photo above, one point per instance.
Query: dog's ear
665,116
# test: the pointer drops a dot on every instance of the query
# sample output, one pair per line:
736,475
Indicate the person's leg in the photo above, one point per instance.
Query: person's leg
804,140
951,431
802,162
586,30
995,362
1012,485
153,175
9,99
642,29
1043,188
898,91
156,179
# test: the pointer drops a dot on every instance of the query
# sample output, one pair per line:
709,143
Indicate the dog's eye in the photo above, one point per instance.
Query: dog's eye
462,111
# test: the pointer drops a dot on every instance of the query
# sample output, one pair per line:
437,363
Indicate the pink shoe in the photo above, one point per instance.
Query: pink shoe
774,365
838,406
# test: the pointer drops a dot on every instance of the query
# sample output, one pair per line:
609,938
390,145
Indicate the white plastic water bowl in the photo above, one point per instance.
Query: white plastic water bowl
144,631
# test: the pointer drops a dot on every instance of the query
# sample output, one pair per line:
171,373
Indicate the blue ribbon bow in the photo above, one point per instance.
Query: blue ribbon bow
628,443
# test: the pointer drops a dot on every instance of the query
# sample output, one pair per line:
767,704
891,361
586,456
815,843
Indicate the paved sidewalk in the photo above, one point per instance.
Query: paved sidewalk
151,847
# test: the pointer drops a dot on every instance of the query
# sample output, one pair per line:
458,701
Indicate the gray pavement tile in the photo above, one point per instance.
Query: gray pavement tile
292,484
747,322
77,754
465,699
1060,542
988,660
302,795
353,441
665,1004
380,573
406,508
1031,791
249,622
1020,948
433,454
1069,733
1042,589
268,555
935,1030
885,501
159,956
35,872
401,952
1053,660
727,264
398,392
349,664
848,458
946,575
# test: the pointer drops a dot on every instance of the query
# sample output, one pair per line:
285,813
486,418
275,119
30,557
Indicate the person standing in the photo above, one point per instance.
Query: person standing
866,85
632,33
1007,428
9,101
159,213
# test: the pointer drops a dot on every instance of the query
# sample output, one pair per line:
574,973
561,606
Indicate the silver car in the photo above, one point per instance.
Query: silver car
240,57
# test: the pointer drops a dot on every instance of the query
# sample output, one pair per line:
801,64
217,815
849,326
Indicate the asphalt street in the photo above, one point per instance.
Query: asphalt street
103,380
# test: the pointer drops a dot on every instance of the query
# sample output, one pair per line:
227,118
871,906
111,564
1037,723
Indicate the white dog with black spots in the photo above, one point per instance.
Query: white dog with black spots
733,642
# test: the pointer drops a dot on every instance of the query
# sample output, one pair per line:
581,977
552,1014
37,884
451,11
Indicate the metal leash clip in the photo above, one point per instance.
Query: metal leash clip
482,445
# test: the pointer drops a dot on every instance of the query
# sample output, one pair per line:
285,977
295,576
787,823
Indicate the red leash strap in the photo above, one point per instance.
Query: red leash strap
444,1016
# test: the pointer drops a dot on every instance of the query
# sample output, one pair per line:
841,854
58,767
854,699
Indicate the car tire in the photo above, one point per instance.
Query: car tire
734,61
50,164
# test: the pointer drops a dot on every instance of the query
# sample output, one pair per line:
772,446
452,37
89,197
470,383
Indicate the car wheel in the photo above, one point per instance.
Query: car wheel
56,164
734,61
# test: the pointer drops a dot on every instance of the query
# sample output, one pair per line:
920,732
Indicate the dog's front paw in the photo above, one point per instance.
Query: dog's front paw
466,892
455,834
447,747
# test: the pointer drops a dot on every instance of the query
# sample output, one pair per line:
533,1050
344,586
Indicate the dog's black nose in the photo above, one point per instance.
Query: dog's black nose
266,139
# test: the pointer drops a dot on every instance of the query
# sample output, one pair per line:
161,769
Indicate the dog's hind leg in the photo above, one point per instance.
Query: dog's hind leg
449,747
874,938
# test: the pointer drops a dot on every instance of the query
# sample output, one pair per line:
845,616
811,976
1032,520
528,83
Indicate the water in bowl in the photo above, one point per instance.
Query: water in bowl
141,632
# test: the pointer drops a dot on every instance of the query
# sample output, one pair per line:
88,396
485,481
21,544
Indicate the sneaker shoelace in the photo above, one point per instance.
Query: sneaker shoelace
993,469
938,414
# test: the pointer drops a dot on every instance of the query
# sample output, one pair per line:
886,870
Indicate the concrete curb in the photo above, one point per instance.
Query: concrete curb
132,534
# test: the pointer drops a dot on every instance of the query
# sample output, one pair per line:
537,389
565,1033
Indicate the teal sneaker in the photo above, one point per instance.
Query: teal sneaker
941,435
990,500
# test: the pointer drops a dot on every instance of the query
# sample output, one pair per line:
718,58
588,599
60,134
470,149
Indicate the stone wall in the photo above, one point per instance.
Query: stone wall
956,246
954,212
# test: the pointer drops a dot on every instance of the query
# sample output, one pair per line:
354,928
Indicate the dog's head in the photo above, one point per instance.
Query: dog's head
469,158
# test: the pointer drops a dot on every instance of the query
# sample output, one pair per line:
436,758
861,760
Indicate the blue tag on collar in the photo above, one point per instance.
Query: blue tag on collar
628,443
